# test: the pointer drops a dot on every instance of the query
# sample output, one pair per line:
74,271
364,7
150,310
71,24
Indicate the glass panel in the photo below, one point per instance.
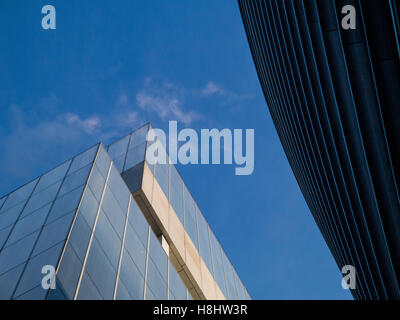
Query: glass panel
3,235
16,253
230,280
34,294
33,275
57,293
80,236
101,271
138,222
27,225
103,161
52,177
87,289
119,162
149,294
162,172
75,179
176,192
131,277
2,201
8,281
190,217
89,206
38,200
135,156
18,196
96,182
119,189
139,136
54,233
8,217
122,292
135,249
119,147
114,212
69,272
83,159
217,263
108,239
156,282
65,204
204,242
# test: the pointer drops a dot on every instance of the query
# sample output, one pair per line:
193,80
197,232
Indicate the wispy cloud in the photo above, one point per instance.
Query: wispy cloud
166,101
212,88
89,125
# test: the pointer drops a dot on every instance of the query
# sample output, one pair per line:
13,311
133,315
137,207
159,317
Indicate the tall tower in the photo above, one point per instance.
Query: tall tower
333,93
107,225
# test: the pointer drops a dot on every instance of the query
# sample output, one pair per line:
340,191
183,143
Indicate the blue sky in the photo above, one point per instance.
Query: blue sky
63,90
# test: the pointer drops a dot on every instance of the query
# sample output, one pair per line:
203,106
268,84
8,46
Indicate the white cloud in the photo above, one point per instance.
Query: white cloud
211,88
89,125
166,102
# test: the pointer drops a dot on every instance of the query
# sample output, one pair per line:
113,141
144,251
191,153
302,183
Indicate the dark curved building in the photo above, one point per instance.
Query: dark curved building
334,96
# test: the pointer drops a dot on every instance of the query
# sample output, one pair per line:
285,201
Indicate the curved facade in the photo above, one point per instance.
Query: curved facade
334,96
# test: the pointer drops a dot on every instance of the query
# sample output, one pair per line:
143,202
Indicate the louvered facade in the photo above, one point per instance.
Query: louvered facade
334,97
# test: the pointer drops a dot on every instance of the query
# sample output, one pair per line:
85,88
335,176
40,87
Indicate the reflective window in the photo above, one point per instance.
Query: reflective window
3,235
139,136
103,161
119,162
27,225
156,281
176,192
38,200
87,289
33,275
190,216
69,272
88,207
119,189
204,240
219,274
8,281
2,201
83,159
80,236
96,182
135,248
75,180
52,177
135,155
138,222
108,239
114,212
131,277
122,292
149,294
18,196
119,147
162,174
101,271
16,253
54,233
10,216
230,280
36,293
65,204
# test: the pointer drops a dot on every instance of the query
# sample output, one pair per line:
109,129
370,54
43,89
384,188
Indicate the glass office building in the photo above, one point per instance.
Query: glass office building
333,93
111,226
